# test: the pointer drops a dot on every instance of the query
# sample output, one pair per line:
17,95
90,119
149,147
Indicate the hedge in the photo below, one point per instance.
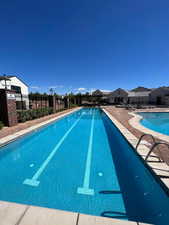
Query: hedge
31,114
73,105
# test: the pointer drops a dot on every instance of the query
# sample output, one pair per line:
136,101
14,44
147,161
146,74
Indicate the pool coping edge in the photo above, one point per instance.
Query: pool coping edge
12,137
21,214
133,142
135,123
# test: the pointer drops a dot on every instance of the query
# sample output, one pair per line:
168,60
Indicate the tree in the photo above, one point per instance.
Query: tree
51,90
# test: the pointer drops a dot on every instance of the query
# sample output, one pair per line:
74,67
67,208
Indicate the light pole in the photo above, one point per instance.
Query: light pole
69,92
5,79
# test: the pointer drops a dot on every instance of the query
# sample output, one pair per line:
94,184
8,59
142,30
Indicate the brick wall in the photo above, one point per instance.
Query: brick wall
8,113
12,115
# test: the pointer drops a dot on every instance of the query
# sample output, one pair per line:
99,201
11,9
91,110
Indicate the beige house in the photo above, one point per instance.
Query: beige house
97,93
103,95
166,99
159,96
100,93
141,97
119,96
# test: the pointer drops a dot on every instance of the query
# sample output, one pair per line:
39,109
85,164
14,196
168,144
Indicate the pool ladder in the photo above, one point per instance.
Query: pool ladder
155,144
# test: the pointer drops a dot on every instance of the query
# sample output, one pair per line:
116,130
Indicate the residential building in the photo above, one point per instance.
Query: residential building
102,94
122,96
140,95
119,96
97,93
19,87
160,96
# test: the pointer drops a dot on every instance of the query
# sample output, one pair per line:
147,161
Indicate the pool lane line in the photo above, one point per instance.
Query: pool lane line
34,180
85,190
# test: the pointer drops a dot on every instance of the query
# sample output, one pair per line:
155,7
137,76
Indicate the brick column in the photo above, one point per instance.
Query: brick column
8,114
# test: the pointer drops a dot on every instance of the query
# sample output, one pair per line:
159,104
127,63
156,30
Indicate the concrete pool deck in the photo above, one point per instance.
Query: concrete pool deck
19,214
132,134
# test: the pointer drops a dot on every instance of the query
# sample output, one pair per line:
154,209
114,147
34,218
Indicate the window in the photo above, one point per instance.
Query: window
17,89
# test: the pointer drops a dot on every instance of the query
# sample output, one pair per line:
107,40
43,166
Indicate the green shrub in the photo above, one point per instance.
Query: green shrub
72,105
1,125
21,116
50,110
31,114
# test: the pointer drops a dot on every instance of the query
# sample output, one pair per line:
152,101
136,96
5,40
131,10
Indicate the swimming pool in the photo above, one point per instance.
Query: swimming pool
82,163
157,121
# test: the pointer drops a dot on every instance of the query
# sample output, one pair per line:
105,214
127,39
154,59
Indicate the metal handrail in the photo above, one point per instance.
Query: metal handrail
142,138
155,144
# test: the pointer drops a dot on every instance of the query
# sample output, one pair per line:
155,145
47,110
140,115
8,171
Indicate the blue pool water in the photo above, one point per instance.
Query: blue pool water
82,163
158,122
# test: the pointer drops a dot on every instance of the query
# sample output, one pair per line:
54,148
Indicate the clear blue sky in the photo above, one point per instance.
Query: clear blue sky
71,44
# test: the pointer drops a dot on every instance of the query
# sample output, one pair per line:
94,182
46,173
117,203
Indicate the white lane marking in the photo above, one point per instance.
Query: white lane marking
85,190
34,180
